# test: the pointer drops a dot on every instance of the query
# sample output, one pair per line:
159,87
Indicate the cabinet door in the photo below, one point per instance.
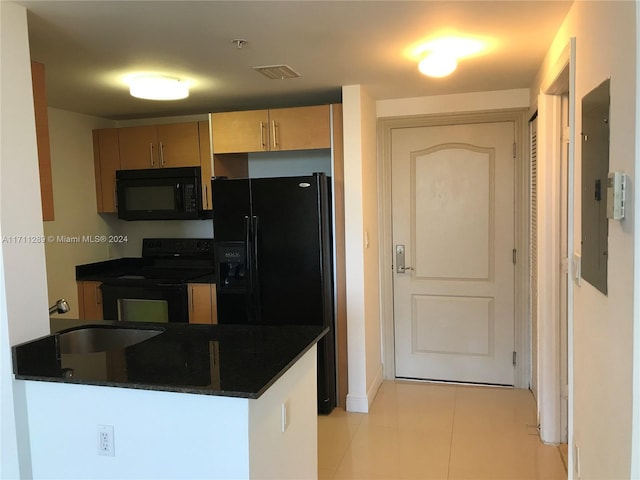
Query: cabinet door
205,163
42,140
214,305
106,157
89,301
178,145
238,132
200,303
138,147
301,128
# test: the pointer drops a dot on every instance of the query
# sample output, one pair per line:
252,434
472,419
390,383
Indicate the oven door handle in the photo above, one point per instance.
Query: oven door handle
169,285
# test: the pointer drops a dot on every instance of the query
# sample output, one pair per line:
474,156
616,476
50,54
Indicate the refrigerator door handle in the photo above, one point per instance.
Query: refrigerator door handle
249,266
255,276
254,230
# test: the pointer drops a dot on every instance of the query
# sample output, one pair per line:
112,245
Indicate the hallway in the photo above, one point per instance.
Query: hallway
422,431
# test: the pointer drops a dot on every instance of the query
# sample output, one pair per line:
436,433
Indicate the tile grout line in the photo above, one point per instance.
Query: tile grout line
346,450
453,421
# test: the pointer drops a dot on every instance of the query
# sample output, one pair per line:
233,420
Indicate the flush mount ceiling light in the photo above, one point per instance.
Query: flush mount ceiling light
438,64
157,87
439,57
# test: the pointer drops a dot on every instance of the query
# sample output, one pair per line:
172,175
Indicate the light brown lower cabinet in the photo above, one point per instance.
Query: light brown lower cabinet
89,300
202,303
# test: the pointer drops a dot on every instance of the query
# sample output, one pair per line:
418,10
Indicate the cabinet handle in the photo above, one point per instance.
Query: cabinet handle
161,154
206,196
274,132
153,163
115,197
97,295
191,291
264,146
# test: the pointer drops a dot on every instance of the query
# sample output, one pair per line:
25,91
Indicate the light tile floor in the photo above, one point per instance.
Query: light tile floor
418,431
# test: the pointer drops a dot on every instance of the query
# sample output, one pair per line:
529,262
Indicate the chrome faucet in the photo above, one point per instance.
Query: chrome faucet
61,306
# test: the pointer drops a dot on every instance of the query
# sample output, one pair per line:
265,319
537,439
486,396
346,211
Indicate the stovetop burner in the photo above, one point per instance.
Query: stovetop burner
170,260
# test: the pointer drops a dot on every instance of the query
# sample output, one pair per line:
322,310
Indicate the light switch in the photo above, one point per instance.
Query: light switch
285,415
616,193
576,268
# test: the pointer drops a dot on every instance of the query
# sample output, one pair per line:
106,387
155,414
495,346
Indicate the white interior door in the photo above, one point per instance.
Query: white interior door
453,220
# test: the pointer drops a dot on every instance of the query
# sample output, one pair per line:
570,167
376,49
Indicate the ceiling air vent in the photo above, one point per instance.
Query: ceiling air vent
277,72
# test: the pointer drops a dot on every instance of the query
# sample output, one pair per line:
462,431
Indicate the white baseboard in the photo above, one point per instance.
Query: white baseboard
375,385
357,403
362,403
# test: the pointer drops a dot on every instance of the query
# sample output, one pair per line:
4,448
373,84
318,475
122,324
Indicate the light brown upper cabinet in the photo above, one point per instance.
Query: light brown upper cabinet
106,159
159,146
238,132
42,139
299,128
149,146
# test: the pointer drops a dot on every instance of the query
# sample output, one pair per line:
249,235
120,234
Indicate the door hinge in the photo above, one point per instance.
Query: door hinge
514,358
514,255
514,149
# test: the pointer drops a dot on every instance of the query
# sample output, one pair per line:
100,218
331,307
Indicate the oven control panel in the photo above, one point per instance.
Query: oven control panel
177,247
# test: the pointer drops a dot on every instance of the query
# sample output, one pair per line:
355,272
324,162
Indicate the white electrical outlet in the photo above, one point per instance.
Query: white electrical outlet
285,415
105,440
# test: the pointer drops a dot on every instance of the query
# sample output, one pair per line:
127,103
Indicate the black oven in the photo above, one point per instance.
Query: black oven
159,194
130,302
155,288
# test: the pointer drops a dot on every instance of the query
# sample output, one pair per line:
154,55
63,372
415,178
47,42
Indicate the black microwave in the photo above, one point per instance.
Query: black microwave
160,194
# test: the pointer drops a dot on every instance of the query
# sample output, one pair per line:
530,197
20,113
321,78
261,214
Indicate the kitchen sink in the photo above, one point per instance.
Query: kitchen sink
93,338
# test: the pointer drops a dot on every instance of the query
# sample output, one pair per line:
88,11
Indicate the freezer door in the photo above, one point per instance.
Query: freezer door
231,206
290,223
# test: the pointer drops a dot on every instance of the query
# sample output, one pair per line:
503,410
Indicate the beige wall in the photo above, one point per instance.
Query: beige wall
360,185
371,246
74,194
606,42
454,103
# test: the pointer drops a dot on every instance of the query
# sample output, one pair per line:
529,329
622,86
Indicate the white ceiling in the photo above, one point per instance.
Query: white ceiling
88,46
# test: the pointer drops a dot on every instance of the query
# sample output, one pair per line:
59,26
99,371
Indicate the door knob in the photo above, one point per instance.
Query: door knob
400,265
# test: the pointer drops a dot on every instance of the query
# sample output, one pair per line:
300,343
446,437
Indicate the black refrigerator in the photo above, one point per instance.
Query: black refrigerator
274,262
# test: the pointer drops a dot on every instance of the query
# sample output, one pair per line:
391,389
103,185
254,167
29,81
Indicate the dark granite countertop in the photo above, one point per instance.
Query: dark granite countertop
224,360
98,271
107,269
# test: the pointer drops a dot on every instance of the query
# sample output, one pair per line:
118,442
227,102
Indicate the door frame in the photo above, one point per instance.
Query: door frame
553,348
522,340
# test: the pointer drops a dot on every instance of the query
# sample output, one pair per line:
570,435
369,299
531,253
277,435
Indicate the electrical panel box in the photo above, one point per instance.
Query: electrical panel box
616,190
595,171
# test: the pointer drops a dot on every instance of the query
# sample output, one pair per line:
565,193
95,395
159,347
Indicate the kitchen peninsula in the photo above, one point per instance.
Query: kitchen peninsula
189,401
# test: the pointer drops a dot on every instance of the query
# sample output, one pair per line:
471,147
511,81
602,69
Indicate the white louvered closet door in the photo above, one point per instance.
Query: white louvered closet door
533,257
